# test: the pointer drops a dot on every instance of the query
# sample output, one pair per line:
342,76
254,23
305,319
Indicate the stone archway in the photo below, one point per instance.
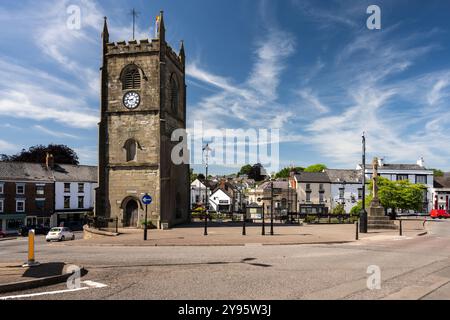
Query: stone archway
131,214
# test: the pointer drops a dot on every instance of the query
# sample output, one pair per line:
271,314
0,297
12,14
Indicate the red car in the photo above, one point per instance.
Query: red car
2,234
441,214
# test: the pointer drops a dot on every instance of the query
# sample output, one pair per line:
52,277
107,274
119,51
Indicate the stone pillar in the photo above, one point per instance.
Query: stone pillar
376,215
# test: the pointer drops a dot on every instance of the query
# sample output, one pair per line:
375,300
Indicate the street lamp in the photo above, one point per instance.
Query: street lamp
271,207
206,149
363,213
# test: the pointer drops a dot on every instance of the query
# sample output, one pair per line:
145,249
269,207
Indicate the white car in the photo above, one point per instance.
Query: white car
60,234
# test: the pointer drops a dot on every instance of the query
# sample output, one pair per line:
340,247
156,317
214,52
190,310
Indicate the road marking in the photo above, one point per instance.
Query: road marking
90,285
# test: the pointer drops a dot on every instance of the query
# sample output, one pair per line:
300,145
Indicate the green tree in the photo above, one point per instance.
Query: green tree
339,209
316,168
402,195
245,170
438,172
193,175
285,173
357,209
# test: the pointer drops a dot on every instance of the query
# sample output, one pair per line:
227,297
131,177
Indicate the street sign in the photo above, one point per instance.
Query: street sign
147,199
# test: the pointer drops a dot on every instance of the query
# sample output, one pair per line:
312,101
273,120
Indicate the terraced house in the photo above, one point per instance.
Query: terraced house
45,194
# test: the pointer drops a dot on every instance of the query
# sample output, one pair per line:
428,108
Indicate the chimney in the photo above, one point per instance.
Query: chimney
49,161
421,162
381,162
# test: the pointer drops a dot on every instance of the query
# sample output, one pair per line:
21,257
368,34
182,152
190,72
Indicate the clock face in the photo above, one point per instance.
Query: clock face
131,100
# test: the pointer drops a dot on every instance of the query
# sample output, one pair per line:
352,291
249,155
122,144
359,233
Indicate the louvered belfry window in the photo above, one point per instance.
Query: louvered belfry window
131,79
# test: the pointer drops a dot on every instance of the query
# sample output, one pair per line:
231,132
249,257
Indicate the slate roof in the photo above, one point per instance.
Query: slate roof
395,166
279,184
72,173
339,176
442,182
24,171
21,171
313,177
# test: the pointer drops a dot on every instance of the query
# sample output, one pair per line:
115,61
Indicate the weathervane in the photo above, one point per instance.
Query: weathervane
135,14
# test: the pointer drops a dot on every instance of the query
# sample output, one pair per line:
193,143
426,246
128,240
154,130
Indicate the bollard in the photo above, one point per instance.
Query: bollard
31,258
357,230
401,228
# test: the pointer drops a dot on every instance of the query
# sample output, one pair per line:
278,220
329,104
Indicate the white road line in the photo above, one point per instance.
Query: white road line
90,285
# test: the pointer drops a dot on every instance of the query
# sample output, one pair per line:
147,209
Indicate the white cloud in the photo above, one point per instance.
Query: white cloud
6,147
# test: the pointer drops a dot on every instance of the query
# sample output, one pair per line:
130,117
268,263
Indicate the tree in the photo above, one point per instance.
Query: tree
285,173
438,172
62,154
245,170
339,209
402,195
316,168
358,207
193,175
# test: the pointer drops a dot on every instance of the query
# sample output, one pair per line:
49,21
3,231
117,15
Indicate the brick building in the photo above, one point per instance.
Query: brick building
27,193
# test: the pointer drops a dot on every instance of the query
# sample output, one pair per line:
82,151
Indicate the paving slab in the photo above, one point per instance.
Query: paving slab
231,235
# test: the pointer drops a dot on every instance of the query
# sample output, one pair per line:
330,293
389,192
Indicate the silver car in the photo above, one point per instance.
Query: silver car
60,234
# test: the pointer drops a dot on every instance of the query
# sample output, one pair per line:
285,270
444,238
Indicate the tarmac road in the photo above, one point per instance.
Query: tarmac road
411,268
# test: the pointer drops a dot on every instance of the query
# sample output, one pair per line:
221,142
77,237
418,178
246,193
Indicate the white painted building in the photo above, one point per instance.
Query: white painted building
221,202
74,194
346,187
415,173
199,191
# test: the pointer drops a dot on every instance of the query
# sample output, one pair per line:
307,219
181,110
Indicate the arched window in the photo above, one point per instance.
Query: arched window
131,150
131,78
174,93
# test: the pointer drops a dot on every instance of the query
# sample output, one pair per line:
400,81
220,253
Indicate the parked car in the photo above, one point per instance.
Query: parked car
439,214
60,234
39,229
2,234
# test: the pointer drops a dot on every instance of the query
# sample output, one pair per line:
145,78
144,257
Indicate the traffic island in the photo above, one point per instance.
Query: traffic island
14,277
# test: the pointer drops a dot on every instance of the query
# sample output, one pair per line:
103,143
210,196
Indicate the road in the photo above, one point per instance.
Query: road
411,268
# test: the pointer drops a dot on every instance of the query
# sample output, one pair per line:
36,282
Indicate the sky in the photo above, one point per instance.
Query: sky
311,69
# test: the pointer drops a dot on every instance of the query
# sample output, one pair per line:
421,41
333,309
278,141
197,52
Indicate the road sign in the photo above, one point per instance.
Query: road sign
147,199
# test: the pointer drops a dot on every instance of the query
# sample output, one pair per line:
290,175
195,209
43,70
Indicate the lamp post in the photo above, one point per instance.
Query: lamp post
363,213
206,149
271,208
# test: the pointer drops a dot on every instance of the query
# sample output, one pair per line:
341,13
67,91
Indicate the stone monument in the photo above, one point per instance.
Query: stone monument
376,217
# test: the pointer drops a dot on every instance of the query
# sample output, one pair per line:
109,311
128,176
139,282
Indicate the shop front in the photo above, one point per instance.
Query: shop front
11,223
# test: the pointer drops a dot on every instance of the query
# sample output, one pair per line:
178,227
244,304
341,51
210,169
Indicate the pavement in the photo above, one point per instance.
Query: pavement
230,234
411,267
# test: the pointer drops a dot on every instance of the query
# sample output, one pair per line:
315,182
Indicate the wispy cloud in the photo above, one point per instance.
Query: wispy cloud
54,133
6,147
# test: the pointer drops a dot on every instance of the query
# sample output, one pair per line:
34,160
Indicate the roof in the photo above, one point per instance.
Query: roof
278,184
25,171
312,177
348,176
73,173
395,166
442,182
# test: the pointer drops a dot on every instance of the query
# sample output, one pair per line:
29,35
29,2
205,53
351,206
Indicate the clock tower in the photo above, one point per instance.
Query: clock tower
143,100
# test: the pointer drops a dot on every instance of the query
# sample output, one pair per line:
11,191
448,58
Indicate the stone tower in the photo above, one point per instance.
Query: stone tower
143,99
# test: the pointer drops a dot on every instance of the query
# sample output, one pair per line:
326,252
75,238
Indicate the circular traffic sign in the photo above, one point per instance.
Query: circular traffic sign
147,199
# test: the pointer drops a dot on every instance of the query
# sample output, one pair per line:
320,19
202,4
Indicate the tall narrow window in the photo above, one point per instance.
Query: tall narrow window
131,150
131,78
174,96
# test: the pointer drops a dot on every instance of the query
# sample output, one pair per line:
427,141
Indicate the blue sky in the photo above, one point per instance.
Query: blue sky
310,68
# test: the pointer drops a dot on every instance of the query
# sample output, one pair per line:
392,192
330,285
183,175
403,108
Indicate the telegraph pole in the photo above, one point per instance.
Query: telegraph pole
206,149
